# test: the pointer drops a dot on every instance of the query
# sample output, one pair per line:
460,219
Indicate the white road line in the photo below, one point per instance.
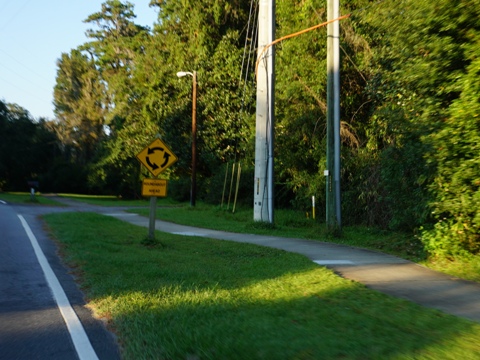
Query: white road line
3,202
77,332
333,262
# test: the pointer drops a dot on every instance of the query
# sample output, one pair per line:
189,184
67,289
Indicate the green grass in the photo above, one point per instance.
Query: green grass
25,198
467,267
199,298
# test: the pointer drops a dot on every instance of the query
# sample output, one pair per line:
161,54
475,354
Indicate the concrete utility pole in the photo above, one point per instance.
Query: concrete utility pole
264,135
334,218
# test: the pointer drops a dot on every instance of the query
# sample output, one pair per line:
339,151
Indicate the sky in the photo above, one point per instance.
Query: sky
33,35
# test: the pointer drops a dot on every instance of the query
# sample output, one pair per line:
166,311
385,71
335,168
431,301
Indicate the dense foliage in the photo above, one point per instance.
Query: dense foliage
410,108
28,149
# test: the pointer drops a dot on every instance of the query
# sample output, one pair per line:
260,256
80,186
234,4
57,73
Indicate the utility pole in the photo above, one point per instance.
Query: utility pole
193,191
264,134
193,188
332,173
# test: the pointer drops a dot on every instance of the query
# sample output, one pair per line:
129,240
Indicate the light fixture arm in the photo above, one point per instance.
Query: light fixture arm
184,73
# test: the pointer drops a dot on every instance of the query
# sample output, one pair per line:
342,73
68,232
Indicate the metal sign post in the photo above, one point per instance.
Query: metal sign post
156,157
152,218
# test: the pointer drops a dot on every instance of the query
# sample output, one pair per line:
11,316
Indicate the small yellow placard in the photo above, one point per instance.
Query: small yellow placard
154,187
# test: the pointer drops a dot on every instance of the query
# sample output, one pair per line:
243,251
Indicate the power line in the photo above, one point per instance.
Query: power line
5,24
25,91
23,65
289,36
3,7
21,76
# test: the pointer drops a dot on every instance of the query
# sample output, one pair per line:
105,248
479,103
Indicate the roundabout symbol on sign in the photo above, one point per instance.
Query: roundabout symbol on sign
156,157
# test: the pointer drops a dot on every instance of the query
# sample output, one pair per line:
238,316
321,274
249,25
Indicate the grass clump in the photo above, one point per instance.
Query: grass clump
150,242
209,299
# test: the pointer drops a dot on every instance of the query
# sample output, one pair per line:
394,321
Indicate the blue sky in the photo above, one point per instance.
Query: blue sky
33,35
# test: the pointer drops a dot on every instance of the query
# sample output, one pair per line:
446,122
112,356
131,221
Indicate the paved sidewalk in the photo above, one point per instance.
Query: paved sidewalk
385,273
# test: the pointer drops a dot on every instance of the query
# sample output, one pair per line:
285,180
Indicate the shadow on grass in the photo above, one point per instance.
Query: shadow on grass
325,325
212,299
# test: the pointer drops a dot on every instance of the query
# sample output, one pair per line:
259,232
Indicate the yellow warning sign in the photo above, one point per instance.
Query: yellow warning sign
154,187
156,157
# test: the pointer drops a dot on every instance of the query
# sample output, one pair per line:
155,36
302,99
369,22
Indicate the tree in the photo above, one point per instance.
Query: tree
78,104
115,46
27,148
301,101
456,186
204,37
419,55
116,49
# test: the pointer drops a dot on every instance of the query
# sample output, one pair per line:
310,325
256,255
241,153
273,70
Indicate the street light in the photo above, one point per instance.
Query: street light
193,191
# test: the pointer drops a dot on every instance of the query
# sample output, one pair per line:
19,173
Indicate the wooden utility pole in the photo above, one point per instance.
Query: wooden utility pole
263,187
333,203
193,191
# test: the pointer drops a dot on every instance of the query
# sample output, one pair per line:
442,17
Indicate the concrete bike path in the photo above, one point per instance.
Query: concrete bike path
385,273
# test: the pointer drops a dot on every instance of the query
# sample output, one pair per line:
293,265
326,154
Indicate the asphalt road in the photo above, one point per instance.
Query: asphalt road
35,321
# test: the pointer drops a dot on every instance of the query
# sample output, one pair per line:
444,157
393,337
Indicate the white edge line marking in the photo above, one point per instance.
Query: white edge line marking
3,202
77,332
333,262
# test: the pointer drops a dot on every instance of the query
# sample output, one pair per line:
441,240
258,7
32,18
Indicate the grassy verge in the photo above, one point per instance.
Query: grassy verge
199,298
25,198
462,267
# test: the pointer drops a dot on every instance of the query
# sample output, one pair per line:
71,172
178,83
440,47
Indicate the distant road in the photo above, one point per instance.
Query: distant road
34,286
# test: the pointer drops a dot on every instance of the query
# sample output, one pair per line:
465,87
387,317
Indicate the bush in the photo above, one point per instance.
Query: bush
456,187
448,239
179,189
212,188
